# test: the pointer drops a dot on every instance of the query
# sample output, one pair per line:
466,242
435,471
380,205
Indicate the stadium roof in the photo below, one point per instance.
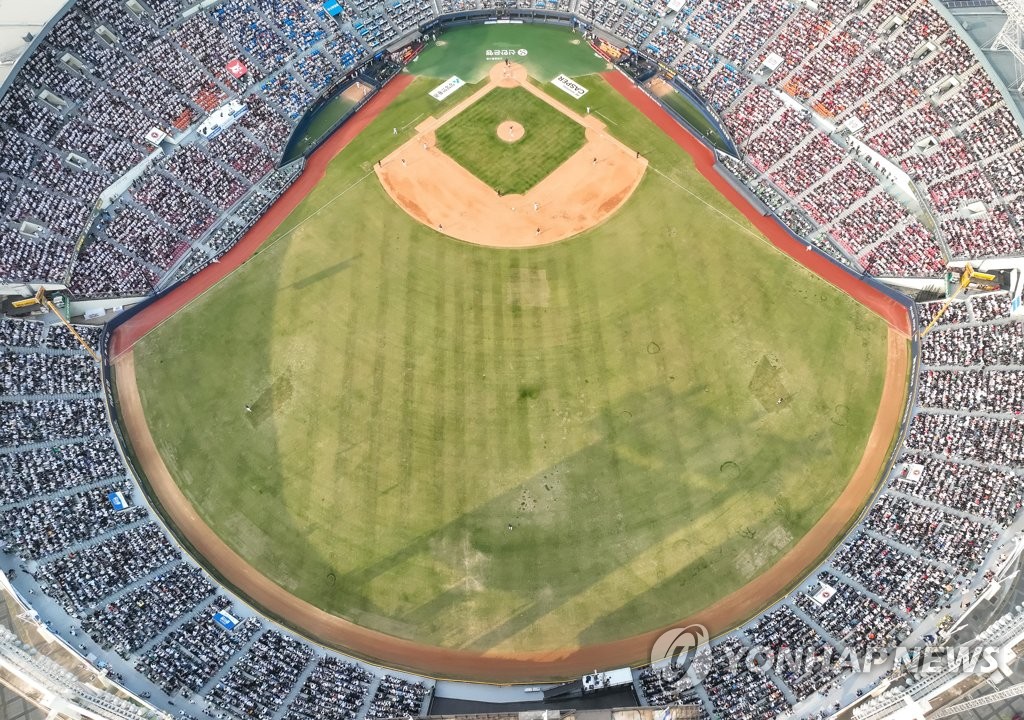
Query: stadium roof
981,20
17,19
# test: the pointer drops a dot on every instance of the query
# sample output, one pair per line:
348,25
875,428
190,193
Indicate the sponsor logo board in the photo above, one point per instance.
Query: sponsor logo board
447,87
570,86
505,54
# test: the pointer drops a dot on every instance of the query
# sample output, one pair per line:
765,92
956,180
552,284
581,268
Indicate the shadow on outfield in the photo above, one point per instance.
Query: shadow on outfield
327,272
621,452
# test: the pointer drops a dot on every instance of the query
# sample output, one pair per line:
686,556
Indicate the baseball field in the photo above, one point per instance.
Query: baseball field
515,450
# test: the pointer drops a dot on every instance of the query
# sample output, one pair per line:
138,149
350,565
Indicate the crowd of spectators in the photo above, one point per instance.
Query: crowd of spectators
986,307
190,655
803,660
989,493
101,269
974,346
957,140
26,422
397,698
953,313
667,685
83,577
173,203
993,391
41,471
905,581
738,691
260,681
835,192
985,236
911,252
46,374
849,616
141,236
44,527
246,157
21,333
23,258
76,119
897,139
204,174
999,441
959,542
245,215
129,621
335,690
127,582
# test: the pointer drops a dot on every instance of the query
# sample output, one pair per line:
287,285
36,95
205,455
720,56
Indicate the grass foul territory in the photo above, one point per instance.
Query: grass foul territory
469,52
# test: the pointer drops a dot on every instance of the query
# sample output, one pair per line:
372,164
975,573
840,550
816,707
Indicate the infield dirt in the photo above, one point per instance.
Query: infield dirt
581,193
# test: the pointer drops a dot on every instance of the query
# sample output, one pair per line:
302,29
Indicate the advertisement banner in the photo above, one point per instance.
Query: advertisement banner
506,54
570,86
237,68
824,594
447,88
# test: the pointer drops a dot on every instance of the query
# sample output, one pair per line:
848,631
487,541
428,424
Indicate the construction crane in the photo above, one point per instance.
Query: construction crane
40,299
968,277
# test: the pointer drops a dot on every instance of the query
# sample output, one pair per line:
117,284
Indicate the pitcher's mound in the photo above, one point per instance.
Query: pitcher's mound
510,131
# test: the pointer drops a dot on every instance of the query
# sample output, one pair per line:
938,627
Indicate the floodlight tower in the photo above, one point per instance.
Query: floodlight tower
1011,35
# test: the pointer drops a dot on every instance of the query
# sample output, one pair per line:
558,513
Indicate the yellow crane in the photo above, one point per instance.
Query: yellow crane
40,299
968,277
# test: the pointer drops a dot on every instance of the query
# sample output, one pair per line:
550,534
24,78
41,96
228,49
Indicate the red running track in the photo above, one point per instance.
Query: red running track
135,328
892,311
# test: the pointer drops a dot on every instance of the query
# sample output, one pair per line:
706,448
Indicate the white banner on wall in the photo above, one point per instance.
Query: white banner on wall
570,86
447,87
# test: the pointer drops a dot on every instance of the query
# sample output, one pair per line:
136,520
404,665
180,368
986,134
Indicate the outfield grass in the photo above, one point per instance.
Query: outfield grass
471,139
612,397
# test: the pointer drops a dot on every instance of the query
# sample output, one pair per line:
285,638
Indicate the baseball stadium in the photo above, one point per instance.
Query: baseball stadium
451,358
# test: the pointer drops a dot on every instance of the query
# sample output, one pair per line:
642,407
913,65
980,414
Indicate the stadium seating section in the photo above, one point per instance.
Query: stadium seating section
76,118
75,121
